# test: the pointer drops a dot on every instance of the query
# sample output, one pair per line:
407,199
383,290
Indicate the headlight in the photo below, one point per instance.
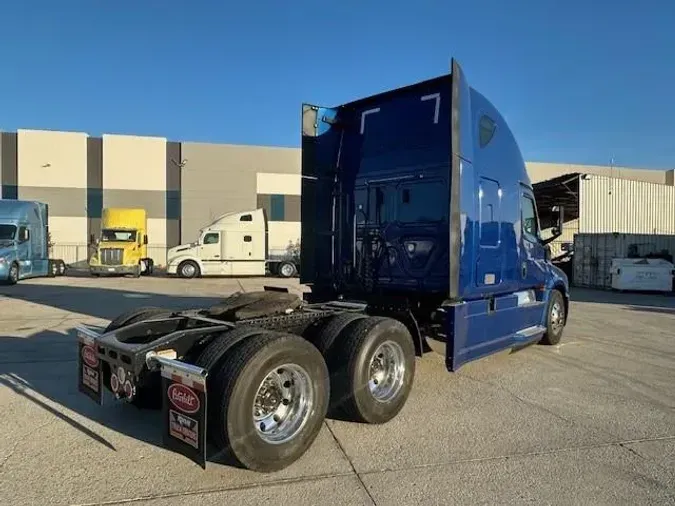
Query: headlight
3,260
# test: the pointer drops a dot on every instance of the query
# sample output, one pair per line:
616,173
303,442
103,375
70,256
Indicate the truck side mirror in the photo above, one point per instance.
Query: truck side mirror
145,240
25,235
92,239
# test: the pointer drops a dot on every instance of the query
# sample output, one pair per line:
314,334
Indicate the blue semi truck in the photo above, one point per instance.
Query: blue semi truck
420,232
24,242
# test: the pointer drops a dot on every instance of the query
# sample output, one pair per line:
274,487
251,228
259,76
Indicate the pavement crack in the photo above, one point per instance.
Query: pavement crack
216,490
632,450
523,400
21,440
541,453
351,464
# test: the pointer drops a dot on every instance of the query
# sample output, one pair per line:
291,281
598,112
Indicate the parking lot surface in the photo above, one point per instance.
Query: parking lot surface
590,421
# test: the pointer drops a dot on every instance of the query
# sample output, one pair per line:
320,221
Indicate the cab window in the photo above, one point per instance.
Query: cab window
486,130
528,216
211,239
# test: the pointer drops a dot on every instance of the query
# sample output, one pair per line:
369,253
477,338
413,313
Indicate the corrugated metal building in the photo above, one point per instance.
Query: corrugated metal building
608,217
599,204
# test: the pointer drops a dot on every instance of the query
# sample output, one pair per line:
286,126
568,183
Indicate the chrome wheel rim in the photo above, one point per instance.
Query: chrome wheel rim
387,371
13,273
557,317
287,270
283,403
188,270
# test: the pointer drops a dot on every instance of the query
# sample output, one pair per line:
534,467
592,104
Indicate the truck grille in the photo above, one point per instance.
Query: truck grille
112,256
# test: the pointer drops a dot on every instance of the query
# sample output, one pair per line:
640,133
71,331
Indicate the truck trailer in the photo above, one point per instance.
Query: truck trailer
24,242
234,244
419,233
122,247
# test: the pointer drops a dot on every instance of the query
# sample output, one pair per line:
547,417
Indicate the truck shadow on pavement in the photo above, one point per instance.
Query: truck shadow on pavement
101,302
42,367
636,301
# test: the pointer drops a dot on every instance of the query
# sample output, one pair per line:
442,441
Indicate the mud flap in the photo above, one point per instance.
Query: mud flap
89,368
184,409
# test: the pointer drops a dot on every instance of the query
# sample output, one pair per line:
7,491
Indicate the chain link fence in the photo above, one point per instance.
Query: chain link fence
78,254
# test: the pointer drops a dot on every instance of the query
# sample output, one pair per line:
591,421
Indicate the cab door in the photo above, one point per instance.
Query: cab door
210,253
24,251
533,267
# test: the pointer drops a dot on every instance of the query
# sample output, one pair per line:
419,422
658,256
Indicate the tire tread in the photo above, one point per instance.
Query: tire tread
226,379
335,326
213,352
341,365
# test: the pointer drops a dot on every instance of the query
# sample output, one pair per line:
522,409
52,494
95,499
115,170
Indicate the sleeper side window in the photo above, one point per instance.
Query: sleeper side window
528,216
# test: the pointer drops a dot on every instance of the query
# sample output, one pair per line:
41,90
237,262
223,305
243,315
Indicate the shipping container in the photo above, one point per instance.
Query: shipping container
593,254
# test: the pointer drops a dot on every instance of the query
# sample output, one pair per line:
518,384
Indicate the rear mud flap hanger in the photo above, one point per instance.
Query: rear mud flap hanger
184,396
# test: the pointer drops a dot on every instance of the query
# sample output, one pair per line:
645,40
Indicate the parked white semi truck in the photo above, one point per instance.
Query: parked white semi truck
234,244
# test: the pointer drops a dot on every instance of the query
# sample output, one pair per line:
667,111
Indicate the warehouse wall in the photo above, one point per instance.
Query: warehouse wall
52,168
543,171
8,172
222,178
183,186
279,195
135,175
173,193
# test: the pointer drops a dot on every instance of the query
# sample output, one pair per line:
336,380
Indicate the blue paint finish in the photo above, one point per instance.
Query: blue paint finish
420,192
31,255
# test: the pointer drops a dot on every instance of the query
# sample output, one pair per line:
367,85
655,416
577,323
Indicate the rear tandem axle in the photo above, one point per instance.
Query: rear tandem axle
258,373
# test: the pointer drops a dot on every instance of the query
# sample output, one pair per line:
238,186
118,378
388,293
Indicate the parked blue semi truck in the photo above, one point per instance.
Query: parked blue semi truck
419,232
24,242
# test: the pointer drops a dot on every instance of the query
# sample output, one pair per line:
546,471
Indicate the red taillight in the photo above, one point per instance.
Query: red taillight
114,383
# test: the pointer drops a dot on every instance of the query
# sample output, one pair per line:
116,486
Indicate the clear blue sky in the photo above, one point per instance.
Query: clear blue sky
578,80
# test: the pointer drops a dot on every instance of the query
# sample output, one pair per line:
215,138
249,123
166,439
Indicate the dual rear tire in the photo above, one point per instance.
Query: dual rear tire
372,366
270,392
269,399
56,268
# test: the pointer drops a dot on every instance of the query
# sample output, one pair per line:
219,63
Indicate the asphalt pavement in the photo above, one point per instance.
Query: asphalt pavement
590,421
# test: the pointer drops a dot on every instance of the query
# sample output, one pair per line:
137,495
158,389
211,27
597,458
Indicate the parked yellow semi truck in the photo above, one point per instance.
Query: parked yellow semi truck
122,247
